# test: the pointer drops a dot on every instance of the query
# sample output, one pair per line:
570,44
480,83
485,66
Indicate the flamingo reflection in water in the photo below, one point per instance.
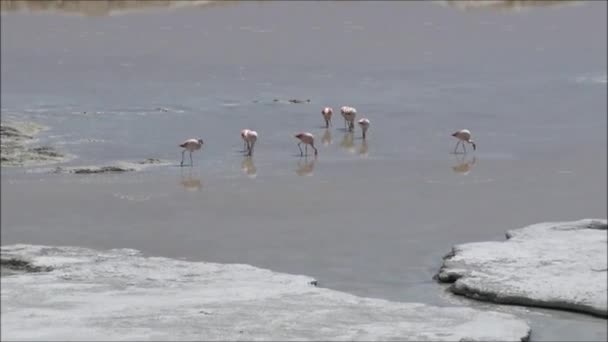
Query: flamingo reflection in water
326,138
248,168
305,166
348,142
363,150
464,165
189,182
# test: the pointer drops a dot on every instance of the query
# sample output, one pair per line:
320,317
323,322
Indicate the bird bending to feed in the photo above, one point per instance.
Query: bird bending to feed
327,112
349,114
190,145
250,138
307,139
464,135
364,123
243,133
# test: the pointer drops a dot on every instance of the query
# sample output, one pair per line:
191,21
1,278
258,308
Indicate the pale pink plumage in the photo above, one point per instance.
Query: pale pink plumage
327,112
463,135
349,114
250,138
306,139
364,123
190,145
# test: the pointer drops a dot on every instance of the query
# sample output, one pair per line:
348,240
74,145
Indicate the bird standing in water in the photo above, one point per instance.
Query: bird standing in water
250,138
243,133
327,112
464,135
306,139
364,123
190,145
349,114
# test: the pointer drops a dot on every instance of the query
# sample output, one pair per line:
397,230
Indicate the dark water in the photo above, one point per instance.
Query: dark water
372,219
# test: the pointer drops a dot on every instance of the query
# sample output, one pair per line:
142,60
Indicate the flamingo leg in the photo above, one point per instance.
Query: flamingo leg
182,163
301,153
464,148
191,163
456,146
313,146
306,148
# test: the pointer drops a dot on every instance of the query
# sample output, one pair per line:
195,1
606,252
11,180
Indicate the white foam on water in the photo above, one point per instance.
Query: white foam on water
591,79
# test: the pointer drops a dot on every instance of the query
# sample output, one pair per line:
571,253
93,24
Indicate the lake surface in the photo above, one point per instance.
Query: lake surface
371,218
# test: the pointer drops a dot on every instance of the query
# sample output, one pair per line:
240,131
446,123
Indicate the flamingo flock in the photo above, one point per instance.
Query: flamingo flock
349,114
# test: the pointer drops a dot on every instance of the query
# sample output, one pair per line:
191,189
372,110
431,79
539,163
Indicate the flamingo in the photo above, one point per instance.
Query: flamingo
364,123
250,138
190,145
243,133
349,114
307,139
327,112
464,135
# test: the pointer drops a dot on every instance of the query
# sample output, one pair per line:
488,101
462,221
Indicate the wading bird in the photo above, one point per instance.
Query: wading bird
243,133
306,139
250,138
349,114
327,112
464,135
364,123
190,145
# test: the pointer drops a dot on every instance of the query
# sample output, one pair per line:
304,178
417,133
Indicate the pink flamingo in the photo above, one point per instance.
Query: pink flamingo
190,145
307,139
364,123
250,138
243,133
464,135
327,112
349,114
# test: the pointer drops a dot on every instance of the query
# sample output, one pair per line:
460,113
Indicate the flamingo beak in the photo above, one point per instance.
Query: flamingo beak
474,147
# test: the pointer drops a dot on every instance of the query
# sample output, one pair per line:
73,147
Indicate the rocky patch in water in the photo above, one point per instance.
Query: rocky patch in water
287,101
120,167
10,266
14,150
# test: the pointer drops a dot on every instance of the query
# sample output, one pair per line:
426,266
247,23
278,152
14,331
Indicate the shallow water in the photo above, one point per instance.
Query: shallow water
372,219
